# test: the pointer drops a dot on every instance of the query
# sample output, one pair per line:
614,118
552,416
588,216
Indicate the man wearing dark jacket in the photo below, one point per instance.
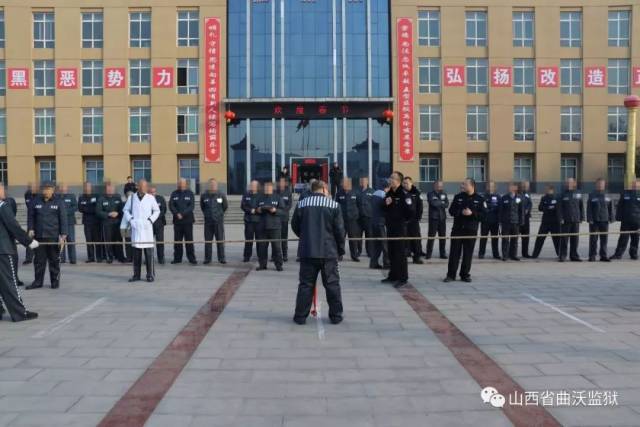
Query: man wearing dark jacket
599,215
438,203
181,204
570,215
159,223
335,175
549,223
32,191
317,221
270,211
511,218
14,208
109,212
348,201
379,230
490,223
628,213
213,204
363,198
287,202
87,206
413,225
70,207
249,205
527,207
130,187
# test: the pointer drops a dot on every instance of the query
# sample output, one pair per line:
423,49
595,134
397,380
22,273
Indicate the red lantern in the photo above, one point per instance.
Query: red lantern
230,116
632,101
387,115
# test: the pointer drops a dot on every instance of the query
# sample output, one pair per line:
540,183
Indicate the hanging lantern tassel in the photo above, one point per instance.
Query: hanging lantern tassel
387,115
230,116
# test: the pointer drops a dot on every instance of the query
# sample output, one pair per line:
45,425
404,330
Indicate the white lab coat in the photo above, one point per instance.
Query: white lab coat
140,216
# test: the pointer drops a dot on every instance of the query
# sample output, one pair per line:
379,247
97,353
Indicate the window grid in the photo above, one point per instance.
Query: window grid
571,124
187,79
571,76
429,28
429,75
619,21
189,168
45,126
187,126
571,29
430,122
140,125
429,168
3,126
140,76
477,123
92,77
523,76
141,169
615,168
617,124
477,168
523,29
2,30
140,29
47,170
188,28
44,78
43,30
92,30
523,123
522,168
94,171
477,75
476,27
4,172
618,76
3,79
568,168
92,125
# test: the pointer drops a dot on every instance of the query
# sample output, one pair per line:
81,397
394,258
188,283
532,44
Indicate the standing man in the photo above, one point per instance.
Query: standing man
70,207
379,230
32,191
438,204
348,201
318,223
628,213
413,225
363,199
249,205
181,205
527,206
335,174
129,187
570,215
213,204
287,202
139,214
270,211
14,209
47,221
399,209
159,224
511,218
87,206
550,223
109,212
599,215
490,222
467,210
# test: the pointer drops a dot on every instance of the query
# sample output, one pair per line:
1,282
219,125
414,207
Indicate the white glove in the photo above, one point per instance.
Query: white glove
34,244
31,233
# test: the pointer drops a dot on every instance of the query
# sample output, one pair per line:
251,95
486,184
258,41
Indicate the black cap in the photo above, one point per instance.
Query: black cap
48,184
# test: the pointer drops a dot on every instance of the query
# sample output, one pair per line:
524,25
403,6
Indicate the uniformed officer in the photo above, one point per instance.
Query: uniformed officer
47,222
109,211
399,209
270,211
467,211
70,207
490,222
92,233
335,175
550,223
181,204
318,222
599,215
287,202
527,207
14,209
570,214
213,204
249,205
511,218
348,201
363,197
32,191
413,225
379,230
628,213
159,223
438,204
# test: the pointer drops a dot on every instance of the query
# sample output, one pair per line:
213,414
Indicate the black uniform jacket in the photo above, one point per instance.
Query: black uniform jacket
512,209
70,206
162,218
87,206
492,212
438,204
549,208
348,201
416,201
475,203
10,231
182,202
47,219
364,199
270,220
628,210
400,210
108,203
599,208
570,207
317,221
213,206
250,203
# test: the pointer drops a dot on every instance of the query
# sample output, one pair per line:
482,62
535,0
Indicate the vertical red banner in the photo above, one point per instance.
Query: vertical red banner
404,35
212,90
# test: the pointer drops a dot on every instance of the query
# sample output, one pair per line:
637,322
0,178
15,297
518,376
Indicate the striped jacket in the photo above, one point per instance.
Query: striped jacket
317,221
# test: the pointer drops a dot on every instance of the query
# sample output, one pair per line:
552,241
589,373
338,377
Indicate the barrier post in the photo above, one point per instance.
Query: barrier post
632,103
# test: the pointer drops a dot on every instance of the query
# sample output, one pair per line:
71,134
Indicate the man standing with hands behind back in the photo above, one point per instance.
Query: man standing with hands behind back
181,205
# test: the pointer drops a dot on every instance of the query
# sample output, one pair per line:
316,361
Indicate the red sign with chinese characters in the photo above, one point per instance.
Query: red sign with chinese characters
66,78
162,77
501,76
595,76
453,75
114,78
212,90
18,78
548,77
404,27
635,77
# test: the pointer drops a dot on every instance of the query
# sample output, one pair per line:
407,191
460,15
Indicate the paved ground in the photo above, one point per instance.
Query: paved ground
551,327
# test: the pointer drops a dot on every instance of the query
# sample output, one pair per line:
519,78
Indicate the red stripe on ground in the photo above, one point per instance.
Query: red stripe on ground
138,403
480,366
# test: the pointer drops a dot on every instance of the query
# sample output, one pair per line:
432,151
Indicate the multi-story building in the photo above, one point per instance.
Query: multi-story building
94,90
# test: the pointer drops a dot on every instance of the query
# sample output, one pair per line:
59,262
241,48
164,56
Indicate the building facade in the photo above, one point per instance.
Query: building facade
235,90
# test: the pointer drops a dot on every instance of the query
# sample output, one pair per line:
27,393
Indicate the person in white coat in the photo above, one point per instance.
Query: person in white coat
139,214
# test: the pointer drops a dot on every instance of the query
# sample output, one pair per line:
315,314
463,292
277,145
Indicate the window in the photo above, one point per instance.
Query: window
523,29
140,29
187,125
3,79
477,168
2,32
92,77
522,168
4,172
188,28
45,126
47,170
43,30
189,169
429,75
571,76
92,30
618,76
44,78
430,122
140,124
94,171
477,123
92,119
571,124
523,76
619,27
617,124
523,123
140,77
615,168
188,76
429,27
477,75
568,168
476,23
429,168
141,169
570,29
3,126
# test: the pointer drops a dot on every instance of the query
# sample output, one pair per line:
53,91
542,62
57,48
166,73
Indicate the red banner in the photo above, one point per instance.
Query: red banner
404,28
635,77
114,78
18,78
162,77
453,75
501,76
212,90
66,78
595,76
548,77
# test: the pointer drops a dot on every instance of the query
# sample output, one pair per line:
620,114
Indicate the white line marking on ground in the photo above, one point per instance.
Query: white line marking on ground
319,323
564,313
64,322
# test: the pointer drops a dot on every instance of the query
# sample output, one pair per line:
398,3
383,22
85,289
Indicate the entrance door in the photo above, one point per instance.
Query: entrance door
304,169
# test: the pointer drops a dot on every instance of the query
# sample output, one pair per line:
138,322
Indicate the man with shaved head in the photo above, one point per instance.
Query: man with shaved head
181,204
249,206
